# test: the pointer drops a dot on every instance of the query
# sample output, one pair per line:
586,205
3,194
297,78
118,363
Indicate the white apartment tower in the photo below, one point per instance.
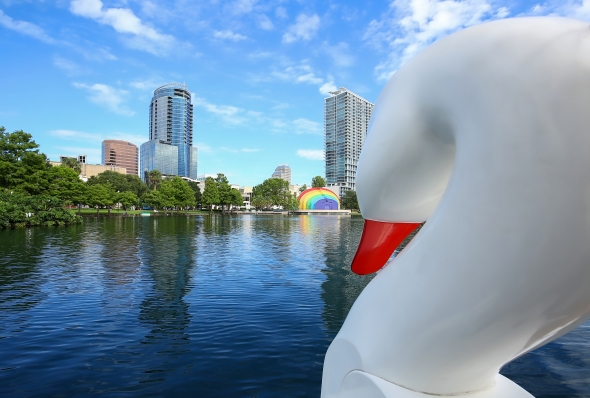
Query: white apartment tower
283,171
346,120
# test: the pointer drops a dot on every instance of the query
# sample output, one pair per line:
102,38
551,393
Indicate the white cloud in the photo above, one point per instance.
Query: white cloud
73,135
109,97
265,23
228,35
281,13
202,147
25,28
311,154
327,87
239,116
305,126
304,28
147,85
228,113
123,20
581,11
65,65
340,54
242,6
304,74
410,25
502,12
260,54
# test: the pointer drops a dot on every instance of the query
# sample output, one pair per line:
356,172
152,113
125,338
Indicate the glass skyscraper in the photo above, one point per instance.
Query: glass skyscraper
346,121
170,147
283,171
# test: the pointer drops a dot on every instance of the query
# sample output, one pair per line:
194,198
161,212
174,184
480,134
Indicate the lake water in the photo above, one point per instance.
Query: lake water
209,306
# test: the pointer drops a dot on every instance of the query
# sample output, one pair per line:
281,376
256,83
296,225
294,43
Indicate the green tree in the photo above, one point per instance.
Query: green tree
72,163
22,210
154,179
224,190
274,190
98,195
65,183
302,188
318,182
135,185
261,202
177,192
120,182
236,197
349,201
22,167
292,204
154,199
196,189
127,199
210,195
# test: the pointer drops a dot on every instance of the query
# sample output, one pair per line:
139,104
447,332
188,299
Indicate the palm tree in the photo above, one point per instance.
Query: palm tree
154,179
72,163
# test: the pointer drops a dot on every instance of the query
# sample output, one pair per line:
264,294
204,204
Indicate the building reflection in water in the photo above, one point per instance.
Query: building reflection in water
120,261
342,286
168,255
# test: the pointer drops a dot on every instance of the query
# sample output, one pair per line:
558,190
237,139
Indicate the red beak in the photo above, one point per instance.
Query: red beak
377,244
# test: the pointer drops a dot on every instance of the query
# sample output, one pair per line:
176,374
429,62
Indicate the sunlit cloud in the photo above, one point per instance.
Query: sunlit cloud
108,97
136,34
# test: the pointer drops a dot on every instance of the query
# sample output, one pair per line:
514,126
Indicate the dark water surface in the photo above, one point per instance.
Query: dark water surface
209,306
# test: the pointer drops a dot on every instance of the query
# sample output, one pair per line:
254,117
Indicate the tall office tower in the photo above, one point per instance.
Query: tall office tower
120,153
283,171
346,120
171,125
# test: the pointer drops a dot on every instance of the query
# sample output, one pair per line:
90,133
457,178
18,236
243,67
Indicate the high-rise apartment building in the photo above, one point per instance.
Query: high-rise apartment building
171,133
282,171
120,153
346,120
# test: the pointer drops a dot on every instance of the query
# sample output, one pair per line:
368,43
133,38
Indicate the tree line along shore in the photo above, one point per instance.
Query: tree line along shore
33,192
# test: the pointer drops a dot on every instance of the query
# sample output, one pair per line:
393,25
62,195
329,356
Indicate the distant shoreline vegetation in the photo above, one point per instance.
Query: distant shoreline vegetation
35,193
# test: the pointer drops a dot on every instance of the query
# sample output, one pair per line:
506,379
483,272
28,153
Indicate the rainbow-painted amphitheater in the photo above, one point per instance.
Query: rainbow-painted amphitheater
318,199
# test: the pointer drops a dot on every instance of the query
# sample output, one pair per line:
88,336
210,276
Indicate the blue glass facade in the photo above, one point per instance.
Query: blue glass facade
158,156
171,124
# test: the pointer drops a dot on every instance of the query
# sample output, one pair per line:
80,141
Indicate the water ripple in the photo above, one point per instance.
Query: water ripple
210,306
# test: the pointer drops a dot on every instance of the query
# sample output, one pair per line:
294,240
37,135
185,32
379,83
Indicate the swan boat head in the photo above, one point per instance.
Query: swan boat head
486,136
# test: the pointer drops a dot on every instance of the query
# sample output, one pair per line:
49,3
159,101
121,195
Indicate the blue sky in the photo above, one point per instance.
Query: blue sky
75,72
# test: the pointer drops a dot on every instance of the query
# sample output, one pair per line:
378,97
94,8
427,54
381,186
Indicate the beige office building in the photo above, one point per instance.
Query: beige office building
121,154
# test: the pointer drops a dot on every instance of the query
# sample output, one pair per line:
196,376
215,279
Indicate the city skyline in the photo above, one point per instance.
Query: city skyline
170,146
82,71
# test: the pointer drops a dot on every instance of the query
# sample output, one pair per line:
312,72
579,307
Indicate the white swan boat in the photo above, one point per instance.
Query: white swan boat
485,135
